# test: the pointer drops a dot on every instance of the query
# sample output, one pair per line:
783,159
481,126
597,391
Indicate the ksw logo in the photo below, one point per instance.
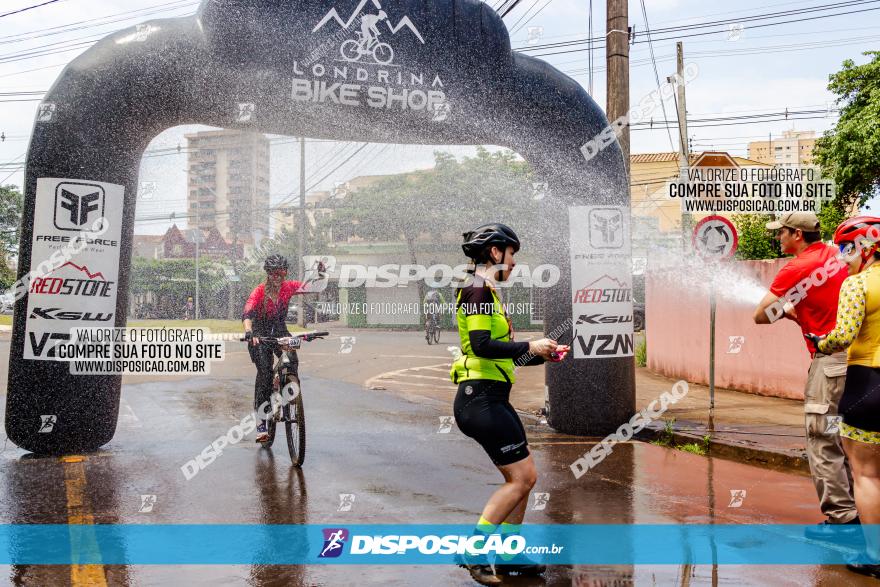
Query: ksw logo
47,314
602,319
75,203
366,46
606,345
606,228
334,541
39,347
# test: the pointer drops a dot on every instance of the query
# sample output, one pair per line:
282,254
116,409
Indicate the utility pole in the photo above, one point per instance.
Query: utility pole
617,61
684,146
301,319
197,236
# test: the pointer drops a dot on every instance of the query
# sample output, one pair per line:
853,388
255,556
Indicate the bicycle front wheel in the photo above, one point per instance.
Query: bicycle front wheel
295,426
383,53
270,428
437,333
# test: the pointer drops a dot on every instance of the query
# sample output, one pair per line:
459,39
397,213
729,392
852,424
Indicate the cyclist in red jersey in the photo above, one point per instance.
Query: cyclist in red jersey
265,314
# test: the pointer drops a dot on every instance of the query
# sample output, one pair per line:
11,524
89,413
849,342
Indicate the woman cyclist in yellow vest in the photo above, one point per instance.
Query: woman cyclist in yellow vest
858,328
485,373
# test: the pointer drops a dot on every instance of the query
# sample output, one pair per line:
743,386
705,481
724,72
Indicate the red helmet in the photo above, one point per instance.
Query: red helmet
857,231
859,227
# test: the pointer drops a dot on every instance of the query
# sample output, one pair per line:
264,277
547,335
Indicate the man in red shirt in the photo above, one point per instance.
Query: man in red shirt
806,291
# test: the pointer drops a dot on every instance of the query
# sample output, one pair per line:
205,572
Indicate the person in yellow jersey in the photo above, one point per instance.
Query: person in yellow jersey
858,328
485,373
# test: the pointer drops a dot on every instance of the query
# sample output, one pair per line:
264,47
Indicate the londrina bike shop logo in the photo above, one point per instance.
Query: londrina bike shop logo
363,70
334,542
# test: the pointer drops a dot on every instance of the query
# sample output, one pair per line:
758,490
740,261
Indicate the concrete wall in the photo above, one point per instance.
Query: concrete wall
772,360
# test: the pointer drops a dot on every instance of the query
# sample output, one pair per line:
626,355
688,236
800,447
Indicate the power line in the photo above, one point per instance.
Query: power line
656,73
696,26
20,10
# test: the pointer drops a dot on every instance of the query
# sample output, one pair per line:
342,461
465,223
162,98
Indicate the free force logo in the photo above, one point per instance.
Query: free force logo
75,204
334,541
606,228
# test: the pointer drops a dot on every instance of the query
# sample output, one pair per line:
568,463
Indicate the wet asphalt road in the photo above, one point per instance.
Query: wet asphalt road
386,450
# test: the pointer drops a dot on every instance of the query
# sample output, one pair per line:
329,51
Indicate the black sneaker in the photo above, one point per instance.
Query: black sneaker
262,433
483,574
528,568
868,570
828,530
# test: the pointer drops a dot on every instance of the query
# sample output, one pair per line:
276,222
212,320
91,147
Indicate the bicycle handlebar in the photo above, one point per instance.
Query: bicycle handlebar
308,336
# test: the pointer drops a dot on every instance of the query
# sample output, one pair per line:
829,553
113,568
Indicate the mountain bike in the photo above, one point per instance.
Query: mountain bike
432,328
286,398
354,49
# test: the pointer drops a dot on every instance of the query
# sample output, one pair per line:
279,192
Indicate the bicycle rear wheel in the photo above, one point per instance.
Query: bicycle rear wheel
295,427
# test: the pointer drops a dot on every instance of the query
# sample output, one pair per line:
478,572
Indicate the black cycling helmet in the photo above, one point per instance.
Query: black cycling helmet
478,240
275,263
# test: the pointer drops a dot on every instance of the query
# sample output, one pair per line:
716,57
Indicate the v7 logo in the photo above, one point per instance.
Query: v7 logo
38,348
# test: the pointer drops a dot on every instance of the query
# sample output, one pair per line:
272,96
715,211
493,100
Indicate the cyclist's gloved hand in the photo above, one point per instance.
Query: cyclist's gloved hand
560,353
248,336
815,339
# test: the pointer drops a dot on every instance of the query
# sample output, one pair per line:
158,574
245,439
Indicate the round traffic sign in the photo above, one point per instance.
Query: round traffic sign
715,238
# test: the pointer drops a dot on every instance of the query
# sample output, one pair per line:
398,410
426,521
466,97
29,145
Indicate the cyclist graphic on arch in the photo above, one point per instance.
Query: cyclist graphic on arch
368,42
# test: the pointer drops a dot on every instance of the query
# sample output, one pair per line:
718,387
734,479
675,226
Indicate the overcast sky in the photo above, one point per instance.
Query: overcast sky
756,70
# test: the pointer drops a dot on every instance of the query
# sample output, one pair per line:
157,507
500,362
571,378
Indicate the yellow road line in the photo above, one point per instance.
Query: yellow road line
78,513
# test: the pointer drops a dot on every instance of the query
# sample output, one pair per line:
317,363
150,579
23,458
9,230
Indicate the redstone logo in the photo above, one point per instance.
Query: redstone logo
84,283
595,293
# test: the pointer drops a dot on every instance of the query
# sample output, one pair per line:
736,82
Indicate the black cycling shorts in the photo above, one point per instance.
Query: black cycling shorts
482,411
860,403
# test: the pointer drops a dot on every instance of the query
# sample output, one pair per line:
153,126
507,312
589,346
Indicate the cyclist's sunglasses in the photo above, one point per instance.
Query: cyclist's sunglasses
846,249
278,273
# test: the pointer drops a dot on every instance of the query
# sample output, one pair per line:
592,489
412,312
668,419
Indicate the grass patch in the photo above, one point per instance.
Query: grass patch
6,319
667,440
642,353
666,436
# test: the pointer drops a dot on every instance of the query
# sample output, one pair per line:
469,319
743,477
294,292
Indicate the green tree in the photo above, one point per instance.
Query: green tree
850,152
442,202
755,241
830,216
11,204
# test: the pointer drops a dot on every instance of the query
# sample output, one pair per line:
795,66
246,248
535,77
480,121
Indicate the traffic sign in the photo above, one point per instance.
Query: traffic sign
715,238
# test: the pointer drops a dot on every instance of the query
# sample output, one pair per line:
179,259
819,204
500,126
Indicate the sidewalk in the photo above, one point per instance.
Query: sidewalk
749,428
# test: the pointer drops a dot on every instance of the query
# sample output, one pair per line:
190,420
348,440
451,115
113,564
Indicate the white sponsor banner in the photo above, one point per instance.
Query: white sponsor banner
601,281
76,270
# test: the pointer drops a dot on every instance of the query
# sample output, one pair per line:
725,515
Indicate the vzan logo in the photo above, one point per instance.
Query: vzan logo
364,72
76,204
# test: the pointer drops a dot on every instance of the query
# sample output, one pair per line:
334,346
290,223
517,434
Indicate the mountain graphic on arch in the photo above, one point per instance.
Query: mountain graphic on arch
333,15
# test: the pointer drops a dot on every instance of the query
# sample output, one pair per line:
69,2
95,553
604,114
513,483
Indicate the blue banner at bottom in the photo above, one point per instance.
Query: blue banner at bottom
380,544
